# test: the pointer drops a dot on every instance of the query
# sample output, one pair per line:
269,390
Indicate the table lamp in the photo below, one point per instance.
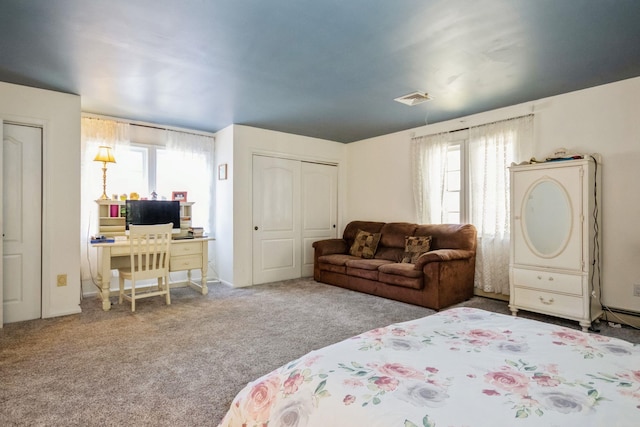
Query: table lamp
105,156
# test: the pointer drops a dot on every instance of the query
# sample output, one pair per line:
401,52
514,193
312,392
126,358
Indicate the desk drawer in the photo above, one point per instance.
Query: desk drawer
186,248
548,302
181,263
554,282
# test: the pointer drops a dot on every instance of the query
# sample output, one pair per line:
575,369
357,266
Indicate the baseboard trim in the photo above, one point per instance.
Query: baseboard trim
492,295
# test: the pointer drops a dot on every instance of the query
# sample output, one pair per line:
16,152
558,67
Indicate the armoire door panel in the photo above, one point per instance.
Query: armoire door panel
567,253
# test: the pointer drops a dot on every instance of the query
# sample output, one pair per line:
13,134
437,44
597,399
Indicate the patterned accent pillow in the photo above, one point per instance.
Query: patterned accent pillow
414,247
365,244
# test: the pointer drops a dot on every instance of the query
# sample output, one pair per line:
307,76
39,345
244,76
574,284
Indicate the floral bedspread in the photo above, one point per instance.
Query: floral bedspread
460,367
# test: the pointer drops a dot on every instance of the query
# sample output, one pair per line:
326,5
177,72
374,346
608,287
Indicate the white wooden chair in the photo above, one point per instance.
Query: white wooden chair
150,248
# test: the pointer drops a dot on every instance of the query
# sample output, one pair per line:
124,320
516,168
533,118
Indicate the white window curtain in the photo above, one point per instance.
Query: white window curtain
198,151
492,149
95,132
429,154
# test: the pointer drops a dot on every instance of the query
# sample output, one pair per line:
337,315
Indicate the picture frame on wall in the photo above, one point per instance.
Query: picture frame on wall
222,171
180,196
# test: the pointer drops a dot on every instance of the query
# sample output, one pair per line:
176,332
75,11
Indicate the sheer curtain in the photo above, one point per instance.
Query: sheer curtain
492,148
194,156
95,132
429,167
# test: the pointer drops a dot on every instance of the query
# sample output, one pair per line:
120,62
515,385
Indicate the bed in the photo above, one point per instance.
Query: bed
459,367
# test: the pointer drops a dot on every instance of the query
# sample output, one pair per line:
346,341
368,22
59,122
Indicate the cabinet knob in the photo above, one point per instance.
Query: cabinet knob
547,302
550,279
255,228
539,277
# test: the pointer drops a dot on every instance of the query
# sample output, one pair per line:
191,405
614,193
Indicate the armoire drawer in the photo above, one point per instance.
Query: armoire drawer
554,282
549,302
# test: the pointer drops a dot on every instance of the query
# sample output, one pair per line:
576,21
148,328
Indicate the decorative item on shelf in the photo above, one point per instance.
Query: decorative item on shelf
180,196
123,197
563,154
134,196
222,171
154,195
105,156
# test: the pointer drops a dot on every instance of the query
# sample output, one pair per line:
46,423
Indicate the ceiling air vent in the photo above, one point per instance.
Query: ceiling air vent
414,98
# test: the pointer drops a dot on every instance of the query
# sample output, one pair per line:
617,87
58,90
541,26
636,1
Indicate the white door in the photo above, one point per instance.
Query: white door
21,222
276,219
319,208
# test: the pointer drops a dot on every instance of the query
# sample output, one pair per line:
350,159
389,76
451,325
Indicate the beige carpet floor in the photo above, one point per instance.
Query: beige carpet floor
181,365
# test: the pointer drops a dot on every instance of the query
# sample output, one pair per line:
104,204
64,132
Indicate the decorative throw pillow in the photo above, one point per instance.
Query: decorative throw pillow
365,244
414,247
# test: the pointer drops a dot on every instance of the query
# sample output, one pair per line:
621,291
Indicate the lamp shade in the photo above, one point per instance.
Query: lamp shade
104,155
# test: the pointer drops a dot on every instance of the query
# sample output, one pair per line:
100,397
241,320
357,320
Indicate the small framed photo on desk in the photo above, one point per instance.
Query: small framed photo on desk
180,196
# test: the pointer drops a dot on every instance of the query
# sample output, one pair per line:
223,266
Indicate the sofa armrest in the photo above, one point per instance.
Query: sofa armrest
330,246
440,255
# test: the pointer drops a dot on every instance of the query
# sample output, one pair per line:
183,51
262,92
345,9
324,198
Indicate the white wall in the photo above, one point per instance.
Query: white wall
59,115
224,243
246,141
603,119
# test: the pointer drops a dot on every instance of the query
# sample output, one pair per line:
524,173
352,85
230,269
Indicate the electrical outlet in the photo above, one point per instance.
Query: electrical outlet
62,280
636,290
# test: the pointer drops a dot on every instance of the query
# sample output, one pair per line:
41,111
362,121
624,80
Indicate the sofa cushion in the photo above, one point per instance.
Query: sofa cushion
367,264
449,236
365,244
400,269
336,259
365,268
393,234
414,247
398,274
364,274
353,227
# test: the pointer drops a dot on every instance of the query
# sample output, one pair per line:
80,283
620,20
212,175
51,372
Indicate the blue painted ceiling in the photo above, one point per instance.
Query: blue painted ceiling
323,68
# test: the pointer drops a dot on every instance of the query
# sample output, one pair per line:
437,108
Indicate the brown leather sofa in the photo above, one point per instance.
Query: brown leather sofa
439,278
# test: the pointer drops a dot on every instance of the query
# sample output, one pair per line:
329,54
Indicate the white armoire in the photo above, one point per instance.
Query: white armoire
555,239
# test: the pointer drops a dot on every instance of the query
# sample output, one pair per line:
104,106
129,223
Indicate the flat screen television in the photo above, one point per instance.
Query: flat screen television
149,212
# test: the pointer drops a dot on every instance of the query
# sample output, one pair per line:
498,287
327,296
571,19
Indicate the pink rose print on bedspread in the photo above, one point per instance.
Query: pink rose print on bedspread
258,403
414,386
533,389
508,380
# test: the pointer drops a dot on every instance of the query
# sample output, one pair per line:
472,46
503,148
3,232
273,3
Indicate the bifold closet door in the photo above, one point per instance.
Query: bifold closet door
276,219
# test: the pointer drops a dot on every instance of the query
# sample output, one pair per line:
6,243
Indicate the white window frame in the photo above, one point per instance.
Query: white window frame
462,145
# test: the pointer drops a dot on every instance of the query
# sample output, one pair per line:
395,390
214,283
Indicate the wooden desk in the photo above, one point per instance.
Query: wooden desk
186,255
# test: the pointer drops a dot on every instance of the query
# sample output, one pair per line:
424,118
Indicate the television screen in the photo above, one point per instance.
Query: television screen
149,212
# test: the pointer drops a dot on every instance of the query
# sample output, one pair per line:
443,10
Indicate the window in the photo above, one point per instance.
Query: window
453,195
463,177
144,168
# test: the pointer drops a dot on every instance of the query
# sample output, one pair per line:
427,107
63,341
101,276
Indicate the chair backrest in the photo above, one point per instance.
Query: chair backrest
150,250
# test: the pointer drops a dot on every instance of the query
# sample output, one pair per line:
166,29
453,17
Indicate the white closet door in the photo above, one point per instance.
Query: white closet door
21,222
319,208
276,219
